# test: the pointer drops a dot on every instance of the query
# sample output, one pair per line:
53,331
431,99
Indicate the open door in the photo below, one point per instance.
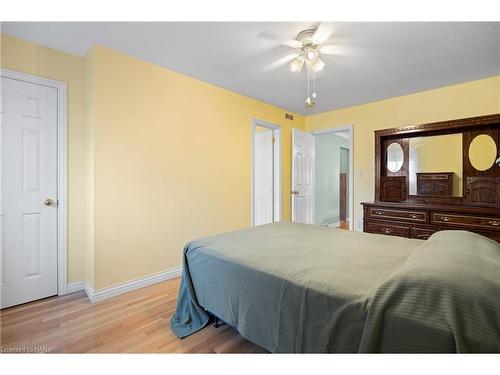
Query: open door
303,163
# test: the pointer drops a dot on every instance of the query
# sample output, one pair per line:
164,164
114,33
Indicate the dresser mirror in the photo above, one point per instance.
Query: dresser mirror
482,152
449,162
435,165
437,176
395,157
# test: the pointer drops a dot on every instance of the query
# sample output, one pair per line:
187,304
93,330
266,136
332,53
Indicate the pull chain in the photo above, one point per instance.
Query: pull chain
314,85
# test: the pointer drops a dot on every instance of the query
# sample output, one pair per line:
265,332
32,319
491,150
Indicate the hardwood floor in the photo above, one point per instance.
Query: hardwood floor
136,322
344,225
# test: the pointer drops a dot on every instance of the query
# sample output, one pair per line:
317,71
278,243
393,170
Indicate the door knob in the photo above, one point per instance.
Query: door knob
49,202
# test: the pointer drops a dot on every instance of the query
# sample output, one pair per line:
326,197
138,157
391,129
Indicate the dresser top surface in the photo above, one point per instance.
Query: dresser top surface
448,207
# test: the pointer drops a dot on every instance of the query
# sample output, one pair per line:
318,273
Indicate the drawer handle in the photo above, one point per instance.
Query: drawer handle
445,218
413,216
494,223
387,231
377,212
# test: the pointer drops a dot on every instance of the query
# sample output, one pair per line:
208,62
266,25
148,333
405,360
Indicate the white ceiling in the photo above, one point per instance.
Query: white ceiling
377,60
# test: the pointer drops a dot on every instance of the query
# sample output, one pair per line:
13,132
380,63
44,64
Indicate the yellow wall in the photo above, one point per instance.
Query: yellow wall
22,56
172,162
474,98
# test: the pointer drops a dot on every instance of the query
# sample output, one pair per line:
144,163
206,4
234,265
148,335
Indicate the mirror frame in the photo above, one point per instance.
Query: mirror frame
469,127
387,156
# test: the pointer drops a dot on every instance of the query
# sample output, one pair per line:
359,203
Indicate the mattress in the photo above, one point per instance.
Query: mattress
296,288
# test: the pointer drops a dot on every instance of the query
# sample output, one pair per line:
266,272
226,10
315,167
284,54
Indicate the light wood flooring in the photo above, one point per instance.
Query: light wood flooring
344,225
136,322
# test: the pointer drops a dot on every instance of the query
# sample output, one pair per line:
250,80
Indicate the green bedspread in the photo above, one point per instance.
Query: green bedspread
444,299
301,288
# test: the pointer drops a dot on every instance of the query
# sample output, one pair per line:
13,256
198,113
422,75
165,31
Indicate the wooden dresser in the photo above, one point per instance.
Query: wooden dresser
414,220
413,201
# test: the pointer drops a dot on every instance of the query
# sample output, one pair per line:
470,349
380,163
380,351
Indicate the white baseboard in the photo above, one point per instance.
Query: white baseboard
129,286
75,287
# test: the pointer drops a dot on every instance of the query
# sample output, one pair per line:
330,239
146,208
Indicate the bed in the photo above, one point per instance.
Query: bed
295,288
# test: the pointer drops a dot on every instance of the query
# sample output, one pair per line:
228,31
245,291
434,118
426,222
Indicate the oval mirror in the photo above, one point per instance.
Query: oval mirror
395,157
482,152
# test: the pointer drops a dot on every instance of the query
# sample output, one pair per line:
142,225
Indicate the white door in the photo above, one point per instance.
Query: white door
263,205
29,191
303,163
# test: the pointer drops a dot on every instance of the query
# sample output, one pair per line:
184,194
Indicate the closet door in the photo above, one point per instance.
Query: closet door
29,192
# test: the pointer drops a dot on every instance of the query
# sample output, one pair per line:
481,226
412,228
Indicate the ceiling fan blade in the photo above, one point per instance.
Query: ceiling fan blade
335,50
280,62
292,43
323,33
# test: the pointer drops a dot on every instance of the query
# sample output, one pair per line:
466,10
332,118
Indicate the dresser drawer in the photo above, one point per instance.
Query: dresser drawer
392,213
421,233
466,220
386,228
441,188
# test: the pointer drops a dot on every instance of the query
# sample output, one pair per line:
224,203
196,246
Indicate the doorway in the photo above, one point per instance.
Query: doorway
266,173
322,178
33,179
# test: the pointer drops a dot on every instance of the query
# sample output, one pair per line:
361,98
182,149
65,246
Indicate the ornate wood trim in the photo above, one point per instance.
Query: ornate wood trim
434,128
441,125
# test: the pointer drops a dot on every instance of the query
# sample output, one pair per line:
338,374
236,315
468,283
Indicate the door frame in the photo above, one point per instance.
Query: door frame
350,129
62,213
276,168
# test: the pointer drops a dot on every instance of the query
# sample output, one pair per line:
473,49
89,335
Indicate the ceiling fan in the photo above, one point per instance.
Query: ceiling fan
309,45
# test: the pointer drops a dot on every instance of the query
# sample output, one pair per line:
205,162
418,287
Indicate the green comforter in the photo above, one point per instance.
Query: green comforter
301,288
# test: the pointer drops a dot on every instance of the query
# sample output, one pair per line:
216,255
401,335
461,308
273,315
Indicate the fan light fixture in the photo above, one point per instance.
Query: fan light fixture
297,64
309,56
318,65
309,53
